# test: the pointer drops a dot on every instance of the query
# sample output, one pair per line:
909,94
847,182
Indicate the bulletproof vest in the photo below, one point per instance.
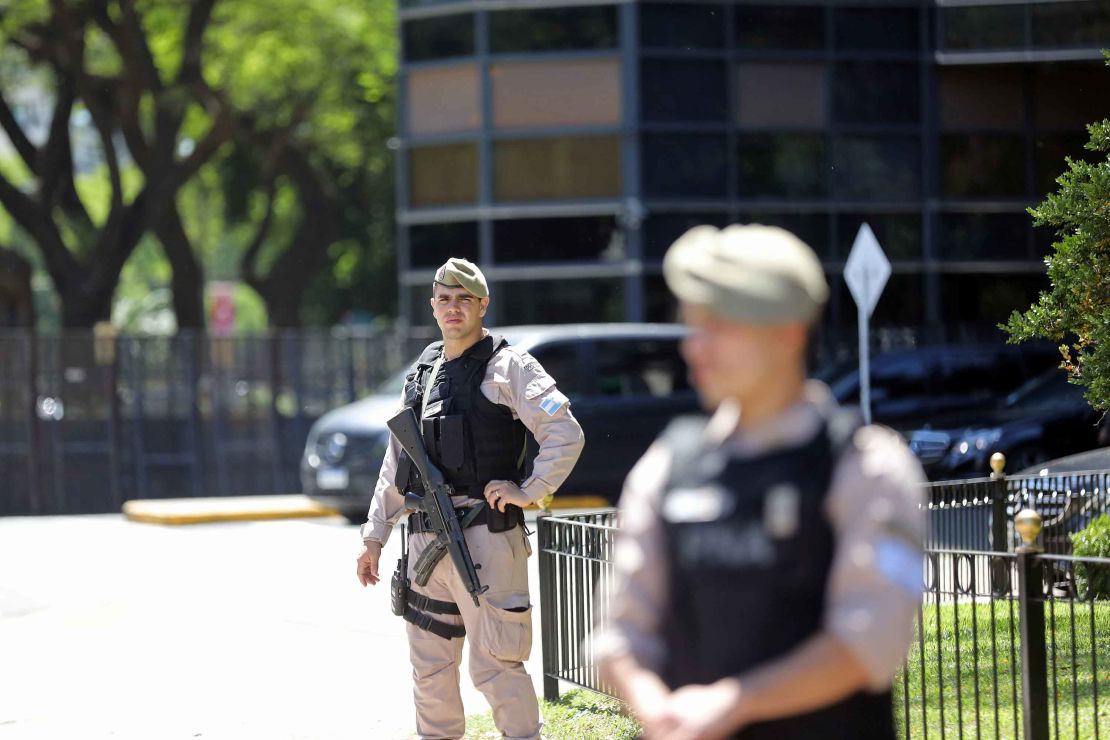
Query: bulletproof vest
471,439
750,551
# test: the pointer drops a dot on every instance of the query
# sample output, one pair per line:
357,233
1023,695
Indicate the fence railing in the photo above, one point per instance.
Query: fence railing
87,421
1006,644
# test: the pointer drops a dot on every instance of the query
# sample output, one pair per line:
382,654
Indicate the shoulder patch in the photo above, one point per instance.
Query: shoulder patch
552,404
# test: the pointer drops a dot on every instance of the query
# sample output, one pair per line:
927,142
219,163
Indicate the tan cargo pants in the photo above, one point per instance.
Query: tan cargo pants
500,640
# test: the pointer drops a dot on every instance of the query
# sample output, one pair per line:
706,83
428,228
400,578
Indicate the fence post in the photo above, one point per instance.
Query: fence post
1034,663
999,539
549,619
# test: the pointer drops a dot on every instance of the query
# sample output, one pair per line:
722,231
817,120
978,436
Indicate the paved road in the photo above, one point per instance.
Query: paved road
112,629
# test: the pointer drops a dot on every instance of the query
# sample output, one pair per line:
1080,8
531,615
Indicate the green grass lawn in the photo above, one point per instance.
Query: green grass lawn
973,639
578,715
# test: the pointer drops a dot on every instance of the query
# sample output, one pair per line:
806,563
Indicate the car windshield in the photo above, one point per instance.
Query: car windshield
1043,392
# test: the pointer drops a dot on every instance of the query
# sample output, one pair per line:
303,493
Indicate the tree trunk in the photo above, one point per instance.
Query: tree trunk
17,305
188,276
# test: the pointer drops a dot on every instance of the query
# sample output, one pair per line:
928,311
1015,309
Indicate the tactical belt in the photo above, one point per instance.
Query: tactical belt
435,606
425,622
513,516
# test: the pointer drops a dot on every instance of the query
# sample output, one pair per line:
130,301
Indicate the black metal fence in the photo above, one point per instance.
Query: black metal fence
87,421
1006,644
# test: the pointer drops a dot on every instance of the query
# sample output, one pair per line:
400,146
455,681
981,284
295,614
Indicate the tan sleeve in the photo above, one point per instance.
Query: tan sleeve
517,380
637,591
388,503
875,583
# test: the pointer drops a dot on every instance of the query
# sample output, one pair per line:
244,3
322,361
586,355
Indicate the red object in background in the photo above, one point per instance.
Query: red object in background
221,322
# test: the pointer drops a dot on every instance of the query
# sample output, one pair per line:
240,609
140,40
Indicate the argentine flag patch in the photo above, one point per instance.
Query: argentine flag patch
551,404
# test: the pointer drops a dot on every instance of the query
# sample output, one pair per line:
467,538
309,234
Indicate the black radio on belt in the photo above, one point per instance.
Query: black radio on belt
399,586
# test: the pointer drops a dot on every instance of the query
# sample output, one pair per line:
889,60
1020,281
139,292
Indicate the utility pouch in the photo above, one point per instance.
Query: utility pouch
399,586
503,521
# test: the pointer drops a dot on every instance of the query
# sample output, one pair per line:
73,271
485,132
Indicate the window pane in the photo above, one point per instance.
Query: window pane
988,297
439,38
646,367
878,168
902,304
1048,158
988,27
682,90
442,100
684,165
561,301
1061,25
561,361
537,169
673,26
982,166
553,29
557,239
981,97
893,29
660,305
443,174
899,234
879,93
978,236
780,27
569,93
812,228
1069,96
661,230
430,245
782,165
780,95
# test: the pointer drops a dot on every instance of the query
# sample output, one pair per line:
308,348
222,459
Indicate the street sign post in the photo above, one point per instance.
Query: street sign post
866,272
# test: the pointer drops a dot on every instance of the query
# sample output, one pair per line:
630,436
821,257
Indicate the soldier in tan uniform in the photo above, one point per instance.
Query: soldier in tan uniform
475,395
768,565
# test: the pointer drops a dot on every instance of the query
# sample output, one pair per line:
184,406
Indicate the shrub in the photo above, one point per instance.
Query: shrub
1093,542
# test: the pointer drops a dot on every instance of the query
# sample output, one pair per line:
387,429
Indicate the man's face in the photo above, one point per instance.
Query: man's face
458,312
731,359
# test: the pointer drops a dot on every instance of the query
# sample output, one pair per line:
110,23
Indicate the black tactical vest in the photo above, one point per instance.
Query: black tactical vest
750,551
470,438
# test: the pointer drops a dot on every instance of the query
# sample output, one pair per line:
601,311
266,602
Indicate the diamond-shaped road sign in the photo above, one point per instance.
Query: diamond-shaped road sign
866,270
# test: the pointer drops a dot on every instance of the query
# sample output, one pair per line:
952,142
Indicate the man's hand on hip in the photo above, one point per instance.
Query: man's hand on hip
501,493
368,563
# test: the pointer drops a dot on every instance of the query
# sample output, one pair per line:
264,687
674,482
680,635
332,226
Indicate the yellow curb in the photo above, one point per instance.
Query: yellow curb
579,502
223,509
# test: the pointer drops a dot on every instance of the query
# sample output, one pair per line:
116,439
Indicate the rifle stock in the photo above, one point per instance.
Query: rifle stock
436,501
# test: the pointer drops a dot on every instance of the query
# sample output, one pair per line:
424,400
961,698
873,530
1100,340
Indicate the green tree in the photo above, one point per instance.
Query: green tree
1075,311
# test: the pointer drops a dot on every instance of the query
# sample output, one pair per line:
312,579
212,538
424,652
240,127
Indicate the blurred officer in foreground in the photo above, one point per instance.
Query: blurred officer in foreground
768,564
476,397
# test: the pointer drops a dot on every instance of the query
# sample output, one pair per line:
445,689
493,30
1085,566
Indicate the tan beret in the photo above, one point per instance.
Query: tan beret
457,272
752,273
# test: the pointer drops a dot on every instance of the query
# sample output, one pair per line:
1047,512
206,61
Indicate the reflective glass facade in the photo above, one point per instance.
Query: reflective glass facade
565,147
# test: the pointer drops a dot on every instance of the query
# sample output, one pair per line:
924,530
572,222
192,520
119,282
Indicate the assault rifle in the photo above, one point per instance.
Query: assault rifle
436,501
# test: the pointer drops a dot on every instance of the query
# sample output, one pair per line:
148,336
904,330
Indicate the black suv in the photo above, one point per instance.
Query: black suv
625,382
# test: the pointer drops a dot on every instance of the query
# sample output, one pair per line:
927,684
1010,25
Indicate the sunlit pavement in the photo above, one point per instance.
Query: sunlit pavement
114,629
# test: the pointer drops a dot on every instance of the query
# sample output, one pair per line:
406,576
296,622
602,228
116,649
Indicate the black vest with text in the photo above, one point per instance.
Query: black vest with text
471,439
750,550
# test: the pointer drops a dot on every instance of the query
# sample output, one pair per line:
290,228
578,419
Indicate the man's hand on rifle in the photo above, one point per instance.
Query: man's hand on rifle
501,493
368,563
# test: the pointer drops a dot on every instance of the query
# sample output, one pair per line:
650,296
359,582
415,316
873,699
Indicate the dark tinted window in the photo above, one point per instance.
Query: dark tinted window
1071,24
660,304
987,297
780,27
988,27
975,236
901,304
674,26
982,166
974,373
898,234
684,165
557,239
877,92
877,168
640,367
439,175
1048,158
812,228
560,360
683,90
661,230
567,167
782,165
439,38
430,245
893,29
553,29
561,301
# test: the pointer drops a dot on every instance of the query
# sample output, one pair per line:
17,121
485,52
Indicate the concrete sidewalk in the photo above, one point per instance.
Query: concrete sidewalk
240,630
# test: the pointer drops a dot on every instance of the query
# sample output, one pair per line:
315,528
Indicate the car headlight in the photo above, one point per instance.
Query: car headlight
977,441
332,447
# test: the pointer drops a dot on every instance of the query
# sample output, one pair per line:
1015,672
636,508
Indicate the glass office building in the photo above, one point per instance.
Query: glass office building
564,146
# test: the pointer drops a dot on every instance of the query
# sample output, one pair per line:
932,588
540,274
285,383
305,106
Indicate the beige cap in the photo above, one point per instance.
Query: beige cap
758,274
457,272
